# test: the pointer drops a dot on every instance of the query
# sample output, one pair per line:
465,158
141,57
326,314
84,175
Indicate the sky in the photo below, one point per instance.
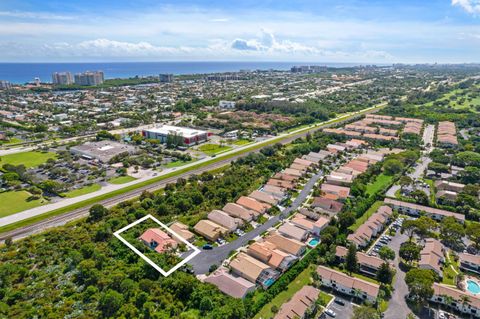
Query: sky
366,31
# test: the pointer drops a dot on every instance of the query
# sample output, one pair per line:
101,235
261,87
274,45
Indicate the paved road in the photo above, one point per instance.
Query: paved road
62,219
202,262
397,307
428,134
418,170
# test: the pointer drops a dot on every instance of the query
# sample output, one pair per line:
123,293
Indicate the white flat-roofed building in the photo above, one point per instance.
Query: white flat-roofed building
190,136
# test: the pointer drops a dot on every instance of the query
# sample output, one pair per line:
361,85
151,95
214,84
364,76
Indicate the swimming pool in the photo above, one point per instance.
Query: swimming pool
269,282
473,286
313,242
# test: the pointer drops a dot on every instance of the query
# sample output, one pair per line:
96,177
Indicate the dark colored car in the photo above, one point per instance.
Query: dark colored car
207,247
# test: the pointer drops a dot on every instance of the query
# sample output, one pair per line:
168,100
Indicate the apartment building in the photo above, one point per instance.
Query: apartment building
368,265
302,301
454,298
469,262
413,209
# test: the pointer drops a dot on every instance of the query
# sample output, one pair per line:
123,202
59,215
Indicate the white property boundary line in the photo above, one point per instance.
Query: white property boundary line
196,251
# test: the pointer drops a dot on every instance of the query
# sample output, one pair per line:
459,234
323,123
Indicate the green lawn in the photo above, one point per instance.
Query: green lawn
381,181
178,163
241,142
29,159
449,274
431,184
302,279
212,149
13,140
82,191
121,179
124,190
16,201
360,221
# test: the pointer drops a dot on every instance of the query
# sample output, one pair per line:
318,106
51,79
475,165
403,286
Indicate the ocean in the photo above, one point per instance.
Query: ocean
20,73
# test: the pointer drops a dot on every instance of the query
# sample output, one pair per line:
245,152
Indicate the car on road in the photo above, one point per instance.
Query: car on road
207,247
340,301
331,313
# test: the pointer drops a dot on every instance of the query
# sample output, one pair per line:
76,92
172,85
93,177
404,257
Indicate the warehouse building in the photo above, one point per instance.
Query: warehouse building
102,151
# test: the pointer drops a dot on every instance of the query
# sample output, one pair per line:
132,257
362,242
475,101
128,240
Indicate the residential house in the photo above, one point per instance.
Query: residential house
288,245
328,205
264,197
158,240
253,204
238,211
269,254
352,286
223,219
210,230
415,209
182,230
292,231
302,301
281,183
431,256
462,301
273,190
341,191
368,265
253,270
469,262
236,287
341,179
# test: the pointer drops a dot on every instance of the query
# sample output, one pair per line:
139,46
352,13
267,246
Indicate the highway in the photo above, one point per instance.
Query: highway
62,219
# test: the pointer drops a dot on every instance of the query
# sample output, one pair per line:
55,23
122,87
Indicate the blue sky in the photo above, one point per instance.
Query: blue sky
241,30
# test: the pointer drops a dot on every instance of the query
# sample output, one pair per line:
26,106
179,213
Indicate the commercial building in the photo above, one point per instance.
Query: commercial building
302,301
226,104
62,78
187,136
103,151
89,78
236,287
352,286
165,78
5,84
158,240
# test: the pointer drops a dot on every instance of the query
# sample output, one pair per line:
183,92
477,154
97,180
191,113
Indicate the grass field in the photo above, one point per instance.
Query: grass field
14,202
29,159
449,274
13,140
212,149
304,278
124,190
381,181
178,163
82,191
242,142
121,179
360,221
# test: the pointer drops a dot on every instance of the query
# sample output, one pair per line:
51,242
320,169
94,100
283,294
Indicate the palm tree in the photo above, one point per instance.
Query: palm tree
465,300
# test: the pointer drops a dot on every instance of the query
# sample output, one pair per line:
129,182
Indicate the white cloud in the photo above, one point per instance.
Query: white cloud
471,6
34,15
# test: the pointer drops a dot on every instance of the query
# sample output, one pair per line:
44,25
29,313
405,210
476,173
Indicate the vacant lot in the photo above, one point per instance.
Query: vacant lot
14,202
29,159
212,149
121,179
381,181
84,190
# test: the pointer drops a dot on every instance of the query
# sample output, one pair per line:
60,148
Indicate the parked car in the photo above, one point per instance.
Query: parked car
331,313
340,301
207,247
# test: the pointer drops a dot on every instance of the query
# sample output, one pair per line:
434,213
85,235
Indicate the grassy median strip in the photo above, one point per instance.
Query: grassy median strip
32,220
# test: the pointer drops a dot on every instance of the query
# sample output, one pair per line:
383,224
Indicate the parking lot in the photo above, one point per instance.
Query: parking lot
342,307
384,239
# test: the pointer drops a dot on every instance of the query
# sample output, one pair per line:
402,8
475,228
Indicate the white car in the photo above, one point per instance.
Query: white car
331,313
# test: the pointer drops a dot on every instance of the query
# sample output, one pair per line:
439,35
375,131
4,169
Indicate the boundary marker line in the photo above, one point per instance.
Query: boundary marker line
196,251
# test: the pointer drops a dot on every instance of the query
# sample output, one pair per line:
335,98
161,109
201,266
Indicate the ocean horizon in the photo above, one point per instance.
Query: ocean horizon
20,73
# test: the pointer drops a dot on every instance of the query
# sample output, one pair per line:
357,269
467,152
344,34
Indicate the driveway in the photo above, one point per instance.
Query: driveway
397,307
202,262
343,312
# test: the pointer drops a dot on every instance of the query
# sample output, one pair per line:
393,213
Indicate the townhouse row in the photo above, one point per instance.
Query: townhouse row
447,134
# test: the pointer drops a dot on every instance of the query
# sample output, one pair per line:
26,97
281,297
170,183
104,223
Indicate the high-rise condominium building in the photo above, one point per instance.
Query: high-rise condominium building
89,78
62,78
166,78
5,85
